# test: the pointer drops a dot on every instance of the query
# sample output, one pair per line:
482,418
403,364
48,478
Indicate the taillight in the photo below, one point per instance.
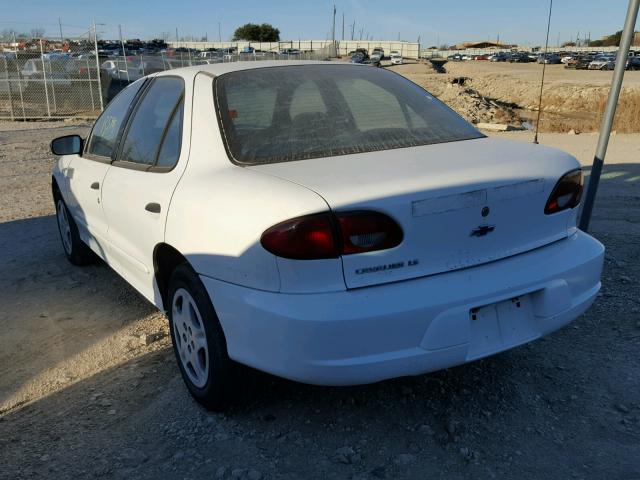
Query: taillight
364,231
329,235
566,194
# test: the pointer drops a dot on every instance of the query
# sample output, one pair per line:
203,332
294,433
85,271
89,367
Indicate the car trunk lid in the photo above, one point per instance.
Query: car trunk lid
459,204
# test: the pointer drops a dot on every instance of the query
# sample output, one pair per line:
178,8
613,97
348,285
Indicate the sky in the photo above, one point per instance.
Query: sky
512,21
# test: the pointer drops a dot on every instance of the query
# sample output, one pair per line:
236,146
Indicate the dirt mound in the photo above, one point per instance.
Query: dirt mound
460,94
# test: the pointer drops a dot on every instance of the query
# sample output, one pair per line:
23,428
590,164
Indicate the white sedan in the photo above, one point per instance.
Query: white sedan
329,223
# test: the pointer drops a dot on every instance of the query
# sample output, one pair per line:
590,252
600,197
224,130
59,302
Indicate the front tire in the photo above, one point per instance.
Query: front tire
76,251
199,343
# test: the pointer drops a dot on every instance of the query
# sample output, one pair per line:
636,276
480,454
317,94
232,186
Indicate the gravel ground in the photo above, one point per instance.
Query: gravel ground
89,386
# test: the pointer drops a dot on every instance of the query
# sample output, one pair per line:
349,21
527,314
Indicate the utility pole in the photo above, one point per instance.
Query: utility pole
609,113
60,25
124,53
343,26
95,45
333,30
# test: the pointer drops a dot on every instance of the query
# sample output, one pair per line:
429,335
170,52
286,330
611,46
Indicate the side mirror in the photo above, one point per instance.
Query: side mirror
67,145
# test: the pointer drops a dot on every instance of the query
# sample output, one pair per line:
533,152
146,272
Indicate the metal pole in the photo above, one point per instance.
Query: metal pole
6,71
333,32
124,54
219,33
44,76
95,46
60,25
93,103
343,26
24,115
53,89
609,113
544,68
177,38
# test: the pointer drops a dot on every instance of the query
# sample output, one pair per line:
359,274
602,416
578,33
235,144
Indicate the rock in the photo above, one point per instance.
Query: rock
111,412
621,408
496,127
149,338
404,459
573,132
406,390
237,473
426,430
450,426
177,456
254,475
221,472
379,472
467,453
132,458
346,455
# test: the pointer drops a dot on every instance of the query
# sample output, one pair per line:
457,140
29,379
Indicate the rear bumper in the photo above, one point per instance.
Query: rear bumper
410,327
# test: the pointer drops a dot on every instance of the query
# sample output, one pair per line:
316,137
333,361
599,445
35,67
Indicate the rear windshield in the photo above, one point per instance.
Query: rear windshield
281,114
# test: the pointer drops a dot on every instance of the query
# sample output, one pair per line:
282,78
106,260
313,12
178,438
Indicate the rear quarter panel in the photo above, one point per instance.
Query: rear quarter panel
219,210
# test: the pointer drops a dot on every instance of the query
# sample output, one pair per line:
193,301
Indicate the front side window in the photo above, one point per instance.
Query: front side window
106,129
158,116
280,114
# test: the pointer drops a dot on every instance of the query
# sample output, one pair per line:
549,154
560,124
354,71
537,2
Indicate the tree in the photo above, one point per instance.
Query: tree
608,41
257,33
569,44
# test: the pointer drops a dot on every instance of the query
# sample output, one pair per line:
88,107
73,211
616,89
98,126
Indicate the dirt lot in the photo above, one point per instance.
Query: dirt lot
509,93
89,385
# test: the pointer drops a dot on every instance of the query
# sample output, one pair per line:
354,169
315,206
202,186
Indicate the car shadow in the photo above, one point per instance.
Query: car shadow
133,418
53,312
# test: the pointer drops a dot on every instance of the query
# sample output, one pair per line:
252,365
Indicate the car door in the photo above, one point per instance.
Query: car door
85,174
139,185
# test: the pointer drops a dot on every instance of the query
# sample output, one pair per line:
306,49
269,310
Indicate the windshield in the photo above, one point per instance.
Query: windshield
280,114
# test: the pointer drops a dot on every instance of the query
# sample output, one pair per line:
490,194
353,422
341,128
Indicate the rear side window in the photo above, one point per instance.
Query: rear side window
156,126
106,129
281,114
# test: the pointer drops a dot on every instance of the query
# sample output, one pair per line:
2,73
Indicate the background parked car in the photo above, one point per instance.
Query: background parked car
549,58
396,59
579,63
378,51
603,62
499,57
56,72
633,63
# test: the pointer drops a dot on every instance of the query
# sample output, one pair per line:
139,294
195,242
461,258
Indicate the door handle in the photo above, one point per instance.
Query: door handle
95,186
153,207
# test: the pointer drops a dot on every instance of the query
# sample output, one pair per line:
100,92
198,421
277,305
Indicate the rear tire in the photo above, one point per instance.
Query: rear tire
199,344
76,251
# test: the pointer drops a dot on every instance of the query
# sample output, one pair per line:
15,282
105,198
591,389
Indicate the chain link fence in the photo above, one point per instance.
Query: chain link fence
38,83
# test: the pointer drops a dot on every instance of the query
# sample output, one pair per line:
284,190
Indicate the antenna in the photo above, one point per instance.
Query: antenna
544,67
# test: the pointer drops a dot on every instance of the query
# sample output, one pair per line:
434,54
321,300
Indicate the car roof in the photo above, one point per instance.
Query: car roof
217,69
